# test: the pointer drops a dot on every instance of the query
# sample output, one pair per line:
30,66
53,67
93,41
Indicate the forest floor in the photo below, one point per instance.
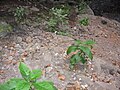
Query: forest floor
47,51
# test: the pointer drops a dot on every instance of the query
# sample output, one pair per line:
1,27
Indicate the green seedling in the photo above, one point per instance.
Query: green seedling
28,81
81,52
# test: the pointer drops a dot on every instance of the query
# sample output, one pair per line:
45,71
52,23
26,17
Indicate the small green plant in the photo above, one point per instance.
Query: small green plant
19,14
81,52
84,21
58,16
28,82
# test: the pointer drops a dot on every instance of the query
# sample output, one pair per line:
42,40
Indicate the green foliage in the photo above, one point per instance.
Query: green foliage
28,82
81,6
5,27
44,86
58,16
84,21
82,52
19,14
60,13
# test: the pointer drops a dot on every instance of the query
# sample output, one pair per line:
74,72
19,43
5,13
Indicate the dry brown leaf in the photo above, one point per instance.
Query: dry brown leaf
48,65
1,71
25,54
73,86
61,77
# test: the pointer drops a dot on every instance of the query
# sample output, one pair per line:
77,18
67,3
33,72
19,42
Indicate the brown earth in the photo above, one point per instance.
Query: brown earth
47,51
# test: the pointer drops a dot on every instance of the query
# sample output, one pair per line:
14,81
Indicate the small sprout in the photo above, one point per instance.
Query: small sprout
80,52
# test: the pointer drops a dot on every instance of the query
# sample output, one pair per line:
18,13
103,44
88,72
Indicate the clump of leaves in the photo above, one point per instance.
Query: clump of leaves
81,52
19,14
58,16
28,82
84,21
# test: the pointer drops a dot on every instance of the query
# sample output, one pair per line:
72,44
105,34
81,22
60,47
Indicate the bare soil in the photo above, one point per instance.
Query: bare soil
47,51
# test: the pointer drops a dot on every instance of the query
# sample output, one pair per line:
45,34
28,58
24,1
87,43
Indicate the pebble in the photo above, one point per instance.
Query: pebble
19,39
28,39
11,48
105,36
10,57
17,46
74,78
5,46
80,79
91,68
37,47
56,54
84,86
74,28
89,62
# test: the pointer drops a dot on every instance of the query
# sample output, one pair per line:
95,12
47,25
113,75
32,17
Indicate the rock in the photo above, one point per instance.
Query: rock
28,39
102,6
19,39
17,46
88,10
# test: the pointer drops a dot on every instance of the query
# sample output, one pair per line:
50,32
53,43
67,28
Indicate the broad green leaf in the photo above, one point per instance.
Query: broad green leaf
4,86
44,86
89,42
82,59
24,70
71,49
73,60
87,51
23,85
35,74
77,56
78,42
11,84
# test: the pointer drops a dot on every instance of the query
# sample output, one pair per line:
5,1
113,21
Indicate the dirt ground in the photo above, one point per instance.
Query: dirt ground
47,51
